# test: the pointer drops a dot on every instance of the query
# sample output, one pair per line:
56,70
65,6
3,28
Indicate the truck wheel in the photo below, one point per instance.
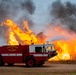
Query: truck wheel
30,62
1,61
10,64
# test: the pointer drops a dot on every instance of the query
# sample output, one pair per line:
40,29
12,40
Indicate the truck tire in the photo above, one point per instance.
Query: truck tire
30,62
1,61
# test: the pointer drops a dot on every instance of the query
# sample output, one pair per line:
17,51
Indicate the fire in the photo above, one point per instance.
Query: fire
63,50
13,41
26,37
66,48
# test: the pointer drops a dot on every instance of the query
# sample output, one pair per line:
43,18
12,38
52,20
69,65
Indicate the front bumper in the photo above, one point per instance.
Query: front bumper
52,54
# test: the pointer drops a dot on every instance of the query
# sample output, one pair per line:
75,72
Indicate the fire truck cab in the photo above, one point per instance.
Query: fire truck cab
31,55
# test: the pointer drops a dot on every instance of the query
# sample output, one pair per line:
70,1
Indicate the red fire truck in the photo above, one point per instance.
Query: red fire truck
31,55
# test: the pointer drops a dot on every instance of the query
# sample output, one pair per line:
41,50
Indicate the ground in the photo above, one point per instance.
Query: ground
46,69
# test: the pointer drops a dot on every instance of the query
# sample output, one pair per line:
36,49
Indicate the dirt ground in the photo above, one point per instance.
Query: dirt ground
46,69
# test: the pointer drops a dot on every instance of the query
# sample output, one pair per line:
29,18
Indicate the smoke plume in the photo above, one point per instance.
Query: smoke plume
65,13
16,10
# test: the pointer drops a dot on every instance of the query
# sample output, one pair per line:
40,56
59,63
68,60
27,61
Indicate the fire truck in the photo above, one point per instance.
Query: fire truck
31,55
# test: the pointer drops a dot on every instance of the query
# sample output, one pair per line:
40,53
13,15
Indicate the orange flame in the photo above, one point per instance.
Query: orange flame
13,41
66,48
26,37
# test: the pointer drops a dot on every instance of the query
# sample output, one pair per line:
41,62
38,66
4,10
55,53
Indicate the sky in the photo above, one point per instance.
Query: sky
41,14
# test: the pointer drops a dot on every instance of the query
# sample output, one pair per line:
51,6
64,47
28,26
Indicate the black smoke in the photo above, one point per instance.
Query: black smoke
65,13
28,4
16,10
41,37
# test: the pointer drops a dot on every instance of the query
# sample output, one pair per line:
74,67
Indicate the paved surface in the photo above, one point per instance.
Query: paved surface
46,69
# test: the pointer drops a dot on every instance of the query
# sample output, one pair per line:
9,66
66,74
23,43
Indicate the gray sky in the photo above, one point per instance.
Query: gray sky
41,15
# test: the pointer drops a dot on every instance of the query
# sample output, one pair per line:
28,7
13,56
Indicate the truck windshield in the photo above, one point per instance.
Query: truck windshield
50,47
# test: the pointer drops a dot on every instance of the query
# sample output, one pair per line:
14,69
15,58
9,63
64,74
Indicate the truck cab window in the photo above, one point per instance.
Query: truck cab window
52,48
38,49
48,48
